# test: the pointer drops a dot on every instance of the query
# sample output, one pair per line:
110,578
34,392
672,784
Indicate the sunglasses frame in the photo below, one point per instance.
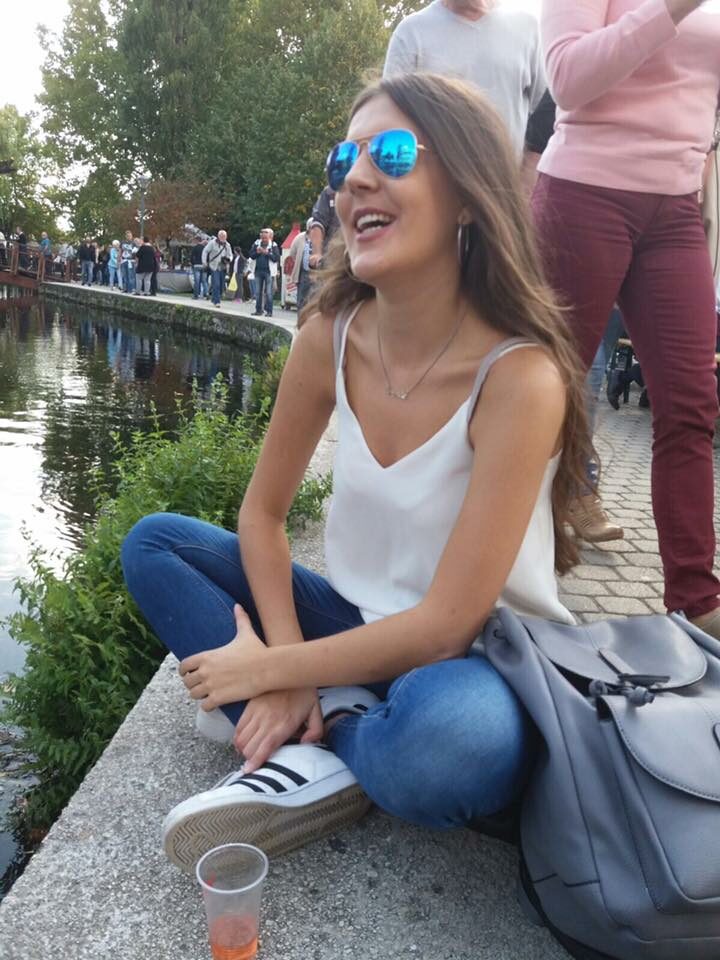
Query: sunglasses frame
368,142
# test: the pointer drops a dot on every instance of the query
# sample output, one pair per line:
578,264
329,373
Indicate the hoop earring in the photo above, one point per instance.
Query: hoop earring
463,243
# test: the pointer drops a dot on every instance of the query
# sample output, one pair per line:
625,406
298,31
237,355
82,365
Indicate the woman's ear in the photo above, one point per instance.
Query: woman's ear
464,218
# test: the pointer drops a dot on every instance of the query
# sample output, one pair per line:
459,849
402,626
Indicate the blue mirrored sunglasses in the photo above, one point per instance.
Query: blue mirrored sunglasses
393,152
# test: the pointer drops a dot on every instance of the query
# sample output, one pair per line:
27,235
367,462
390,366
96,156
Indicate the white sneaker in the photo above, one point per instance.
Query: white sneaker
214,725
301,794
334,700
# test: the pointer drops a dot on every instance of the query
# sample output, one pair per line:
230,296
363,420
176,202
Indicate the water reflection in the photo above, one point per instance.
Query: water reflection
69,380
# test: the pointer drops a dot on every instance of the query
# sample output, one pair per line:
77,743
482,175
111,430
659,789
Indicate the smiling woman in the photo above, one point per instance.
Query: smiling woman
461,436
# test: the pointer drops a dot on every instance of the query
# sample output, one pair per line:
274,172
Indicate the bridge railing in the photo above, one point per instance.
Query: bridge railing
28,260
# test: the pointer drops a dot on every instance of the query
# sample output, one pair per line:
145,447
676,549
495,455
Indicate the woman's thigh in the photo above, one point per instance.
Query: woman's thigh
450,743
585,237
186,576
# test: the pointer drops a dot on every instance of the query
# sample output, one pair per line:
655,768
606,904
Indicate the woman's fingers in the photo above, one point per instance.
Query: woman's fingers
264,750
314,725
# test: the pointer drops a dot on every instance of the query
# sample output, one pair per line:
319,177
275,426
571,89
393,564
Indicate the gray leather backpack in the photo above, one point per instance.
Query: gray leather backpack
620,823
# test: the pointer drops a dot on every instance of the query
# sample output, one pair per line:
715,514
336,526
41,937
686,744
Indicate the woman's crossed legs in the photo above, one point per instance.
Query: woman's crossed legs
446,743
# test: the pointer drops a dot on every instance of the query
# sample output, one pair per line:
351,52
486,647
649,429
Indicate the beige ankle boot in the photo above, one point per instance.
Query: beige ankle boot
590,522
709,622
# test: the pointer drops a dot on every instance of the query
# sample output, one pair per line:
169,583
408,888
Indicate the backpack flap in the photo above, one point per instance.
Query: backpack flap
666,760
656,648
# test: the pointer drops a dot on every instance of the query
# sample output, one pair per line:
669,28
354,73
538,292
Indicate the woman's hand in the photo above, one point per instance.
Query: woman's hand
270,719
228,673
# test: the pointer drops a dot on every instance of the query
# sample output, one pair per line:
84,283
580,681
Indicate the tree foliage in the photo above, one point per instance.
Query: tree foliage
24,199
169,205
245,96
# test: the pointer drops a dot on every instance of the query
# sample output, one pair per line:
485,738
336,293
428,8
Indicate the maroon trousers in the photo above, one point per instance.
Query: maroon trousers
648,253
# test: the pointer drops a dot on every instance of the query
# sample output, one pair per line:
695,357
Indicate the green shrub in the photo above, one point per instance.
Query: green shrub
89,652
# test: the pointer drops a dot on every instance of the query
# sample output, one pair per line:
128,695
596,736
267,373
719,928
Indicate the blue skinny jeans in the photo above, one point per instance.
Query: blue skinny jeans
446,744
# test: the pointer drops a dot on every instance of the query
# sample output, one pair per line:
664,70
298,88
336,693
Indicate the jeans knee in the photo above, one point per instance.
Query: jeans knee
146,534
450,744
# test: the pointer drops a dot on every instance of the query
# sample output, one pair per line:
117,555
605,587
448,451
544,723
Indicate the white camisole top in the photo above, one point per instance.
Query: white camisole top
388,526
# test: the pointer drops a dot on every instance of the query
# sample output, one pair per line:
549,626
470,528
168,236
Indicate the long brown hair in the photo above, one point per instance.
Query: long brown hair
502,277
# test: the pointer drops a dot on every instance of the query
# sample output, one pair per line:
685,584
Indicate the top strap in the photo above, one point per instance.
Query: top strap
506,346
342,321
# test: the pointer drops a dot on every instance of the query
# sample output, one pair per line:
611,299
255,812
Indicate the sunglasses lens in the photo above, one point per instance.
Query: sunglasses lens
394,152
339,163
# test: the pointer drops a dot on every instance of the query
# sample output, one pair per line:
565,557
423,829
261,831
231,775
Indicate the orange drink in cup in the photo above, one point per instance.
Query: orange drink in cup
231,878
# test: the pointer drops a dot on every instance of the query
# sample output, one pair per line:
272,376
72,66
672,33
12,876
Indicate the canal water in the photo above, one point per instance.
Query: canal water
69,379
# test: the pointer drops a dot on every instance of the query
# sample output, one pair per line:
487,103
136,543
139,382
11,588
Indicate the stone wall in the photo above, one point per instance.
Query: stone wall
247,332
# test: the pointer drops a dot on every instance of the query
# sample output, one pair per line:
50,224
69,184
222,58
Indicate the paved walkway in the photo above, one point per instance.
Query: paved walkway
101,889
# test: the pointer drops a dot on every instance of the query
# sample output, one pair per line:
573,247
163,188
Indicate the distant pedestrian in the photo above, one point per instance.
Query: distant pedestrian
145,267
200,276
250,274
324,224
3,249
21,241
156,269
217,257
264,252
127,262
103,268
114,265
299,255
238,271
86,256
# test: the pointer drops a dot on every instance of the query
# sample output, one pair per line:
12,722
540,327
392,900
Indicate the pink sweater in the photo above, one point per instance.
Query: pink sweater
637,96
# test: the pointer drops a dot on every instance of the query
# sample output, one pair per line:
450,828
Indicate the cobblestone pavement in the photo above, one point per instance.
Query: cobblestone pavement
622,577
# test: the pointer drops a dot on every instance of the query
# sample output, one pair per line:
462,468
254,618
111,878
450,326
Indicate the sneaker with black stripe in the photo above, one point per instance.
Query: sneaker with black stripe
301,794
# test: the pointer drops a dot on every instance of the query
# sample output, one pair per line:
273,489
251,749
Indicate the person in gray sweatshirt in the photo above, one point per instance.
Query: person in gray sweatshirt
491,46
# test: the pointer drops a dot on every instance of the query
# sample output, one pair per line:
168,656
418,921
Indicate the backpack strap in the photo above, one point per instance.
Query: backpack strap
505,346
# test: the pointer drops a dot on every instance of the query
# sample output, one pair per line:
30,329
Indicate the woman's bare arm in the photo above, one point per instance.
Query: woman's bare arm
304,403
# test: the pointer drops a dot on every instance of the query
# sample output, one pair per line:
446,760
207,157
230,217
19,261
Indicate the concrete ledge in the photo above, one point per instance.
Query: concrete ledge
227,324
101,888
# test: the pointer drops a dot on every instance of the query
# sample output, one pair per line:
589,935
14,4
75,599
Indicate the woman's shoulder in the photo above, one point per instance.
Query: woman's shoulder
526,374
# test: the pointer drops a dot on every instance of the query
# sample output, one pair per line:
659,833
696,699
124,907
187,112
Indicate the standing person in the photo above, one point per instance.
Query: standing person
156,269
114,265
46,252
616,207
145,267
127,262
323,227
3,249
200,284
496,48
21,241
461,431
299,254
217,256
250,274
104,264
264,252
587,514
86,256
238,271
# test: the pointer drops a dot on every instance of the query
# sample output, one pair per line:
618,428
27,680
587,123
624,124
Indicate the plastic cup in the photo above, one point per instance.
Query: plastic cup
231,878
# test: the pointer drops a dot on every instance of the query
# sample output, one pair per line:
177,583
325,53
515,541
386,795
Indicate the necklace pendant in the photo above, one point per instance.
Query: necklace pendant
396,396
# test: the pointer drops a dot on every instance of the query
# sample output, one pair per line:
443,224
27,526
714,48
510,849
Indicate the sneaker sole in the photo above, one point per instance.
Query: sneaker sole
270,824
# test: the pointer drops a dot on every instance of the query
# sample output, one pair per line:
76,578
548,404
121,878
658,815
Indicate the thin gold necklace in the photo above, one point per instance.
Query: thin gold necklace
390,390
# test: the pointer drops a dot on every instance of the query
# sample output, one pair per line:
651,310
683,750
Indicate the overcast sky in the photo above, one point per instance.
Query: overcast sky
21,56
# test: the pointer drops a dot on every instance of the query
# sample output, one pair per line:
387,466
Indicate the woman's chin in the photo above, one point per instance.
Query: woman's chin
368,270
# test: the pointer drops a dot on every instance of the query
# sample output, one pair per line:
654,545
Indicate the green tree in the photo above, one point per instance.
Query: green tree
173,56
83,88
24,197
269,159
